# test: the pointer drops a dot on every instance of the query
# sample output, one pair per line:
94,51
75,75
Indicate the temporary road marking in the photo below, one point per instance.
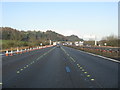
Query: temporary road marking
34,61
88,75
67,69
85,72
80,67
18,71
92,79
21,69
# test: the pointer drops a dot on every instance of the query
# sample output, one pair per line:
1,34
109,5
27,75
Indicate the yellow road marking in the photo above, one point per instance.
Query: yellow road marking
80,67
36,59
18,71
85,72
21,69
88,75
92,79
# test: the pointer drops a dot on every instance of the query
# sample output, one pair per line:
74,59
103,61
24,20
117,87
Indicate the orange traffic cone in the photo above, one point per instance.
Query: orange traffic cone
25,50
11,53
28,49
6,54
21,51
17,51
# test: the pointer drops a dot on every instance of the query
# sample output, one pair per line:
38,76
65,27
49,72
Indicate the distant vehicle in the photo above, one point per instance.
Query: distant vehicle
88,45
58,46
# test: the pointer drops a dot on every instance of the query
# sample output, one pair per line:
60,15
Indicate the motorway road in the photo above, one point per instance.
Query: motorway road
55,67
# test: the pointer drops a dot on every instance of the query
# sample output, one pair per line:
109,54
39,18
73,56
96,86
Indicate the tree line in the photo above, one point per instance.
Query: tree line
111,40
13,37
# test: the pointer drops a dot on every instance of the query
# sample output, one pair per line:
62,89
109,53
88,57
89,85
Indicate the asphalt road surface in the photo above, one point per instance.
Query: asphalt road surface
58,67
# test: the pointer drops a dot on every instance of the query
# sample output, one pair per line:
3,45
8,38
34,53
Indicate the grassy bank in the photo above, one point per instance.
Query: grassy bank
6,44
114,55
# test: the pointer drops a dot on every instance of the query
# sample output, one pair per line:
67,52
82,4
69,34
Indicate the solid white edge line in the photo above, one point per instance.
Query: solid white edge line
100,56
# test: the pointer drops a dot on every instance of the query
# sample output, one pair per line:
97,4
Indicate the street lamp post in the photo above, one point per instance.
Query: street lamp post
50,42
95,41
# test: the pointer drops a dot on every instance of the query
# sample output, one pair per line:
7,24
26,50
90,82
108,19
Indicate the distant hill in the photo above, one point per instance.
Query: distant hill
73,38
13,34
55,36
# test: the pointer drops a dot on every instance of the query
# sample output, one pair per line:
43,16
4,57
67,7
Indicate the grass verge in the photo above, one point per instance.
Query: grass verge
113,55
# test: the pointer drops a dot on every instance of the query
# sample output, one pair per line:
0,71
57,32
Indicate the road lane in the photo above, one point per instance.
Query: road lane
58,68
104,71
12,64
49,72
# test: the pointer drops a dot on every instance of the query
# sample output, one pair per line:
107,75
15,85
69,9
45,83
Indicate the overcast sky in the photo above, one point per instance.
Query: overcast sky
84,19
